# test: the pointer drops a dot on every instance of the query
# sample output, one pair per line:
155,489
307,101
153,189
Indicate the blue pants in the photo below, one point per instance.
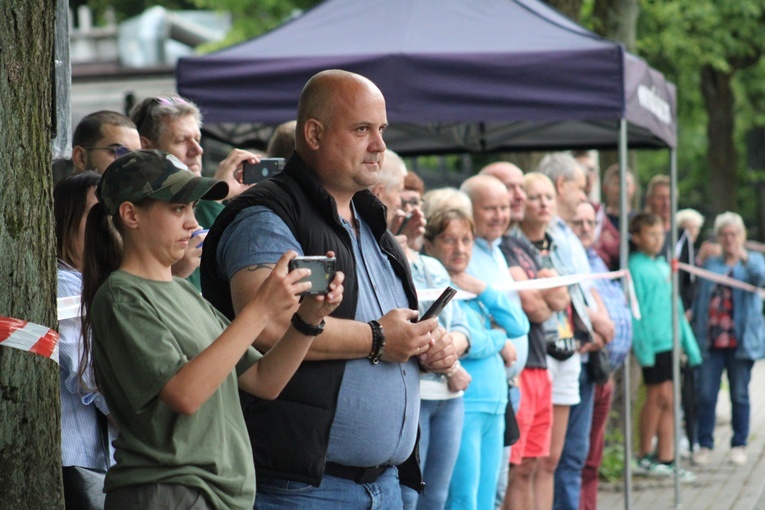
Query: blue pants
440,432
739,374
333,494
474,480
568,474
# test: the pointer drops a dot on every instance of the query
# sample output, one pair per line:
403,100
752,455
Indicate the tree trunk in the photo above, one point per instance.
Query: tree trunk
617,20
721,151
571,8
30,435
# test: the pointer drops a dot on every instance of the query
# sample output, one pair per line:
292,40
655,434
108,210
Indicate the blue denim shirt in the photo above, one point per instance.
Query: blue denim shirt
748,321
378,406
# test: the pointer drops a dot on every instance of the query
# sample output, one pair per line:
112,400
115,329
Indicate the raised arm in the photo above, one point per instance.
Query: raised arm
342,338
532,301
198,379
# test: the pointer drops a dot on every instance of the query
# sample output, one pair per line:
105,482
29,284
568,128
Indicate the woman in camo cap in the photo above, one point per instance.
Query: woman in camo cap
167,362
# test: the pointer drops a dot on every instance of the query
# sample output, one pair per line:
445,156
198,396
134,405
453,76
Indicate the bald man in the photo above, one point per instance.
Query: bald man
347,422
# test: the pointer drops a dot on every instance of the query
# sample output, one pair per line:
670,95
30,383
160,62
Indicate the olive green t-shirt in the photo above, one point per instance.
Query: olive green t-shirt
144,331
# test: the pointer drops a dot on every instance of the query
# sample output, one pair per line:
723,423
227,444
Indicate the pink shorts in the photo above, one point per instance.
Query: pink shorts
534,415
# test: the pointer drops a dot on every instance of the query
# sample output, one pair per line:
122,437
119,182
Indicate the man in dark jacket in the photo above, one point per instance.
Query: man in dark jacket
344,430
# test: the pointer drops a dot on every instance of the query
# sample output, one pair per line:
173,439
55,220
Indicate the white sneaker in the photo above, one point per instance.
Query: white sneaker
737,455
702,456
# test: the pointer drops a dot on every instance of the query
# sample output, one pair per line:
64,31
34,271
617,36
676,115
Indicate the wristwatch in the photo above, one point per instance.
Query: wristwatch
306,329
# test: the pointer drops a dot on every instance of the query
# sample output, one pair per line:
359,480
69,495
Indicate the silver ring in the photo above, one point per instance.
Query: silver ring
418,351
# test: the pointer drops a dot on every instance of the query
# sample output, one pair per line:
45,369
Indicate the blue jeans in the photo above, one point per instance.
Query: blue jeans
739,373
568,474
333,494
440,432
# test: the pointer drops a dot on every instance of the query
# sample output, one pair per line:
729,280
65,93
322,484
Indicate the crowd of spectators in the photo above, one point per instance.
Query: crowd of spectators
511,389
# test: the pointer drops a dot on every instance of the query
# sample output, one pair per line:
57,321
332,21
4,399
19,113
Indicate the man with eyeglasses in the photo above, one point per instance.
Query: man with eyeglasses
100,138
583,224
173,124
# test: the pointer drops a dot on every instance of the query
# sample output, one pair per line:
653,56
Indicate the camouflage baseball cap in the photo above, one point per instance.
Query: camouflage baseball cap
154,174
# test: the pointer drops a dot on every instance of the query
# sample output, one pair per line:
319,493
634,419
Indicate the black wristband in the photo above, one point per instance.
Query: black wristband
378,342
306,329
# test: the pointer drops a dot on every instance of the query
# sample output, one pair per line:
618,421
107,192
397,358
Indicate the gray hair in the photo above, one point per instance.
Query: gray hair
149,115
446,198
729,219
559,164
393,170
691,216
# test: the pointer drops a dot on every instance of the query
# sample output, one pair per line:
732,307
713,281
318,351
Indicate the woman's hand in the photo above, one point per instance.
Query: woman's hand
314,308
469,283
459,379
280,292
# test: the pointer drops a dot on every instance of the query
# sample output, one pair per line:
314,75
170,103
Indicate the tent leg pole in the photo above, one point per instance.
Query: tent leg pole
675,322
623,254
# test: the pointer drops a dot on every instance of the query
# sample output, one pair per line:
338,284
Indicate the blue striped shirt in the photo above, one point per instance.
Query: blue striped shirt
612,294
81,440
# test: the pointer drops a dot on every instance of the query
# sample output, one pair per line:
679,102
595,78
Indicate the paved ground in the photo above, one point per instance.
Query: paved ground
719,485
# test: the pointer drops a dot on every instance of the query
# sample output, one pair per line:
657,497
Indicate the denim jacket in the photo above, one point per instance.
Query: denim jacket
748,320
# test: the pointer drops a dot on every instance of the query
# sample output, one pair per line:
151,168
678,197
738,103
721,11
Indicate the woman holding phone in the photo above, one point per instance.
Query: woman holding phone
492,320
167,362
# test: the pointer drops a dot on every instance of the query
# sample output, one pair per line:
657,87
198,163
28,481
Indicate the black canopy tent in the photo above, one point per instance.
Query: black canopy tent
481,76
458,77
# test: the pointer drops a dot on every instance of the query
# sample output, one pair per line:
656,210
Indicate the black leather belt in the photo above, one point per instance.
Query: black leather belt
356,474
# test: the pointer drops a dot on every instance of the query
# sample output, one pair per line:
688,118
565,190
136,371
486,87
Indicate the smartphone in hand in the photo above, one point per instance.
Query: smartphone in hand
439,304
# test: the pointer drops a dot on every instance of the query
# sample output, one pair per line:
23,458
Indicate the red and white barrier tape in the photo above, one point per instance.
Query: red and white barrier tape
28,336
721,279
548,283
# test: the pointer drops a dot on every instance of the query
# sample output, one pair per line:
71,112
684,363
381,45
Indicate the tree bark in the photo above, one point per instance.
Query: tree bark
30,435
617,20
571,8
721,151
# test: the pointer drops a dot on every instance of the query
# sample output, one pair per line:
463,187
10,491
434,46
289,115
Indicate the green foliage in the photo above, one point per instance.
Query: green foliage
251,17
680,37
125,9
612,466
254,17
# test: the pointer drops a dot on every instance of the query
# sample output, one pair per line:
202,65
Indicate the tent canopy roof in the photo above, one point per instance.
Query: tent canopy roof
457,76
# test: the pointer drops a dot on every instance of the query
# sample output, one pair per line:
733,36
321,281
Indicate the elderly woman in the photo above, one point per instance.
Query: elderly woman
493,320
730,329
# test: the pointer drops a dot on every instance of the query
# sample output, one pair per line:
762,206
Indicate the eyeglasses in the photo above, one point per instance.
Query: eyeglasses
581,223
453,241
414,202
117,150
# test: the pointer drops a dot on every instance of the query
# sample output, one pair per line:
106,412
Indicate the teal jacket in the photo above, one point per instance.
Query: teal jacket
748,321
653,333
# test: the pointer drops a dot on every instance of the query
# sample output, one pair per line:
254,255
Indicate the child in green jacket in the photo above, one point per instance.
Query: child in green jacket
652,343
